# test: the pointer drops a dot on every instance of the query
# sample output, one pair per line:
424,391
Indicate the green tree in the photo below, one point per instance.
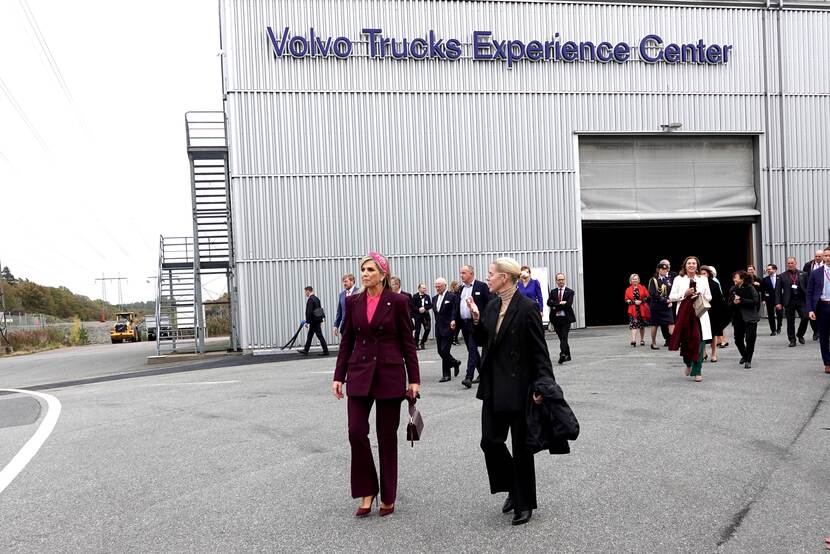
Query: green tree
7,276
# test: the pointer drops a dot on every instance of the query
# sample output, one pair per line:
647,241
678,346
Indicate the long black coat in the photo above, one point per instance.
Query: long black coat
513,359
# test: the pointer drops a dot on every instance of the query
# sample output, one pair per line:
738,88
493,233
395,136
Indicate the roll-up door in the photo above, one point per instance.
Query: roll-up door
666,177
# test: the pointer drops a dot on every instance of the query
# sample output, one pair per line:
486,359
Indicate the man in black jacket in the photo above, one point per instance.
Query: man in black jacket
472,288
791,295
561,301
421,308
768,286
314,317
443,304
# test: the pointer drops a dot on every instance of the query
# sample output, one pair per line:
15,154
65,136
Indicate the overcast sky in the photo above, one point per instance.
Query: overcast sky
93,166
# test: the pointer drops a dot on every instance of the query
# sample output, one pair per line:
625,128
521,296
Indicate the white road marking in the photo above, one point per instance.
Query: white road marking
196,383
14,467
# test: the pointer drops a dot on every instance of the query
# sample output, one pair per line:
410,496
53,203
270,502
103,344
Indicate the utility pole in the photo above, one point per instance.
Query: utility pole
104,289
8,346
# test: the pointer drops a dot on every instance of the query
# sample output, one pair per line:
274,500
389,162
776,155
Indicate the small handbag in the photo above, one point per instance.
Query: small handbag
701,306
416,423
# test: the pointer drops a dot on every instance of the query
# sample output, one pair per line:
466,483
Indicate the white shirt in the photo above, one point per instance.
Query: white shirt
678,289
439,302
466,292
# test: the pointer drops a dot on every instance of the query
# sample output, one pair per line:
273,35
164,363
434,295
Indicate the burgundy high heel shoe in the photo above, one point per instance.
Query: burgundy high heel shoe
386,511
363,512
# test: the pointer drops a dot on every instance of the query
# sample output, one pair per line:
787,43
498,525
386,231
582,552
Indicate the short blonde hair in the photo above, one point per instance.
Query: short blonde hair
631,277
508,266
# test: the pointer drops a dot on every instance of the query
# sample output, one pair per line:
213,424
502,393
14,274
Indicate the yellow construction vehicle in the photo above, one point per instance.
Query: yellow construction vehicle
125,328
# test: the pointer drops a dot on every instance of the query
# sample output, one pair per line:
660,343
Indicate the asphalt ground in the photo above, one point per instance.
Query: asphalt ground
251,454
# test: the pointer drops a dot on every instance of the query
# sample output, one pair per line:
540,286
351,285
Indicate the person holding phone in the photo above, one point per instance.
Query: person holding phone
515,354
686,288
743,297
376,360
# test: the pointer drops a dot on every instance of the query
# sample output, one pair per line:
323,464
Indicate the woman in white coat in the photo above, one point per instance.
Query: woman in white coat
682,290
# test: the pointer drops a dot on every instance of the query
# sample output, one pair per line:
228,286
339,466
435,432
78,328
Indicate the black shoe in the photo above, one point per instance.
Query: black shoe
508,505
778,331
568,358
467,383
444,379
772,333
561,360
326,353
747,365
741,361
653,347
815,336
801,340
521,517
792,343
304,352
477,379
457,367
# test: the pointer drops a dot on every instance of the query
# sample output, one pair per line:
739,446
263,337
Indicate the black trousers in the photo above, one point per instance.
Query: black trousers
745,335
445,351
425,322
514,473
315,329
473,357
562,327
774,316
791,310
823,321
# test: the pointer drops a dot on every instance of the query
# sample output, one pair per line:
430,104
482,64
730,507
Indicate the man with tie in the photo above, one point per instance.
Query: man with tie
421,307
444,306
818,304
349,288
480,293
809,268
774,315
561,301
791,296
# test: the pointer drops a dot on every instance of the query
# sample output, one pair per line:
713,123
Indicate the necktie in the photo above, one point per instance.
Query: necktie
561,292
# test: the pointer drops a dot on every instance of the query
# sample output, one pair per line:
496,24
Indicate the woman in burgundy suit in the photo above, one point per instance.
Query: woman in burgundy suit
377,357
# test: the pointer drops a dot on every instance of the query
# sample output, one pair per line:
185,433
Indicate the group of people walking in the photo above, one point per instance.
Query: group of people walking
378,365
693,308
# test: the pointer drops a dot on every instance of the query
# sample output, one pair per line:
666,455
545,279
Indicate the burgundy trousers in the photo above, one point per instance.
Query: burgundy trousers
364,475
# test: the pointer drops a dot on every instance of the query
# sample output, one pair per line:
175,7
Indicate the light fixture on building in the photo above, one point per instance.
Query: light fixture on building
671,126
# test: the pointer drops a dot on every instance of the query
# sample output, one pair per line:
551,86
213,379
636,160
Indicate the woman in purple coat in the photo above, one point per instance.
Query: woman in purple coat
377,357
531,288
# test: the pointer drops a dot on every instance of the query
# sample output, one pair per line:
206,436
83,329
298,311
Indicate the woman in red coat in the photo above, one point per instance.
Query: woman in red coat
377,356
638,315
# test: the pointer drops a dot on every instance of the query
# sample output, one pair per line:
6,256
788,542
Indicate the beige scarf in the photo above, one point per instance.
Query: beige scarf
506,296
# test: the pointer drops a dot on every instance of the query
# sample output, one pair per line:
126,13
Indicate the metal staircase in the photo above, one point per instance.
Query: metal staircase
183,261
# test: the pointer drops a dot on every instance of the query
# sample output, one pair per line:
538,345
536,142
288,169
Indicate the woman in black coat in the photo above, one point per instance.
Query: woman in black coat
719,314
743,298
514,356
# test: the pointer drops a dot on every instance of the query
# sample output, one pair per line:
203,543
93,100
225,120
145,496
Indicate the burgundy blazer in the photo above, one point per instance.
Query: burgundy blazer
375,359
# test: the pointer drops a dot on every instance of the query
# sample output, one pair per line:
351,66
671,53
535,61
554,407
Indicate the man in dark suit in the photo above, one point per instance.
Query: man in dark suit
444,306
470,287
818,305
768,286
791,296
314,317
421,308
809,268
561,301
349,288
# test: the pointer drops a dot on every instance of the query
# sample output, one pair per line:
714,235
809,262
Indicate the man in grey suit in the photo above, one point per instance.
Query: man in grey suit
349,288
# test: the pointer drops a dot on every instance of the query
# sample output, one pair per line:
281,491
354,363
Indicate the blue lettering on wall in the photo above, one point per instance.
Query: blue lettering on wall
484,46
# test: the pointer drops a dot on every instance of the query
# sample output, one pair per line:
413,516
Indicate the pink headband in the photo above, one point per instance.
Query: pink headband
380,259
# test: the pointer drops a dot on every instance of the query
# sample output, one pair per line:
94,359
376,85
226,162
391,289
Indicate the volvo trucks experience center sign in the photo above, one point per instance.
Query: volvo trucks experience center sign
651,48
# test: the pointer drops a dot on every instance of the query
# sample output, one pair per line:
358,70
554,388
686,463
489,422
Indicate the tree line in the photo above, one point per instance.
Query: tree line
24,296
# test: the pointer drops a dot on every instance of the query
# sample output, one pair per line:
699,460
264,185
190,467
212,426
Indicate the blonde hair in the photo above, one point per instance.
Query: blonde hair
365,259
631,277
509,267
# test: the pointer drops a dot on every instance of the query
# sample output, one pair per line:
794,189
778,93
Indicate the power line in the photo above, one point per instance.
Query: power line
23,116
27,11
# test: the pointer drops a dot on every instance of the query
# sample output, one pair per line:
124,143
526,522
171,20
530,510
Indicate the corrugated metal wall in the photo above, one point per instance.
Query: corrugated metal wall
442,163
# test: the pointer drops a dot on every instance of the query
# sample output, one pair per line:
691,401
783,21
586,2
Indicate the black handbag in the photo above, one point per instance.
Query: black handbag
319,314
415,427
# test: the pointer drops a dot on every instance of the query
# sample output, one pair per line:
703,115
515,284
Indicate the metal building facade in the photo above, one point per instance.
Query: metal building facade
439,163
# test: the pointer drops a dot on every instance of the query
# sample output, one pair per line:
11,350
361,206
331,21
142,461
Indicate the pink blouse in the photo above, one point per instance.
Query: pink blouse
371,306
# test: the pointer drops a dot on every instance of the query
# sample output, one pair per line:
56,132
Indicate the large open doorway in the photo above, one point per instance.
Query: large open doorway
614,250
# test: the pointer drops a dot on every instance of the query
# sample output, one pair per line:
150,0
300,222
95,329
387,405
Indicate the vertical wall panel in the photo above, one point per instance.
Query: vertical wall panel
443,163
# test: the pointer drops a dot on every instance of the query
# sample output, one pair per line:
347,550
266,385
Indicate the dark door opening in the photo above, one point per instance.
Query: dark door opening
614,250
